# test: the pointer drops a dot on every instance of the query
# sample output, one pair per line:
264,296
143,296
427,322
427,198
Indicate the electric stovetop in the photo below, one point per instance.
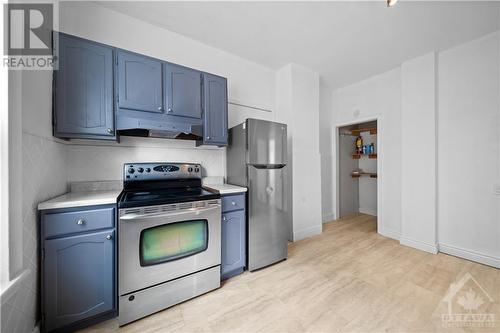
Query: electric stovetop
150,184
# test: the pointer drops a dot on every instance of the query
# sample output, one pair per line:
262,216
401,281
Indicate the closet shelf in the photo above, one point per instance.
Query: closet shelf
358,156
356,132
365,174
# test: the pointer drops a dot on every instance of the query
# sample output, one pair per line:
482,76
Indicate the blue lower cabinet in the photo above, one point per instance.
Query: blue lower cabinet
233,259
78,272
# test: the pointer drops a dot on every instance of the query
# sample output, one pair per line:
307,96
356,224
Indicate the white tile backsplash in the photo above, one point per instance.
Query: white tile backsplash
100,161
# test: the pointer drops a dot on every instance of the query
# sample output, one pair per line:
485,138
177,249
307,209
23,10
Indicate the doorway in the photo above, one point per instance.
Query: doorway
357,169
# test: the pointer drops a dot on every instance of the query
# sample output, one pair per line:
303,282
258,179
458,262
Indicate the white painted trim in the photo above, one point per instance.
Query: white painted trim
307,232
4,168
328,217
416,244
11,287
391,233
367,211
470,255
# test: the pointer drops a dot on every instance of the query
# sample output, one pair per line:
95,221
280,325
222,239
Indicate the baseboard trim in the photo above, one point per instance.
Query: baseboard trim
11,287
367,211
390,233
470,255
308,232
419,245
328,217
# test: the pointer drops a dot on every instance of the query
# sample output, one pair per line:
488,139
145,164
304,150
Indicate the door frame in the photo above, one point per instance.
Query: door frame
380,170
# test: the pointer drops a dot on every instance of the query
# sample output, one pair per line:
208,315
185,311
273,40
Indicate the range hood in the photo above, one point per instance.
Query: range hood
159,129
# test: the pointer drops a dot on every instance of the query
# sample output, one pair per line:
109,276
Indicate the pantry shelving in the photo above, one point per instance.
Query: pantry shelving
356,156
356,132
364,174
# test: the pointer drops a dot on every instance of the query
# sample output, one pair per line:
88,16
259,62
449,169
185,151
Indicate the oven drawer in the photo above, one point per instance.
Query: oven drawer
233,202
56,224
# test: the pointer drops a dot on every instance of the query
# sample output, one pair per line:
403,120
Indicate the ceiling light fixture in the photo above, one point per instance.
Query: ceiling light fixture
391,3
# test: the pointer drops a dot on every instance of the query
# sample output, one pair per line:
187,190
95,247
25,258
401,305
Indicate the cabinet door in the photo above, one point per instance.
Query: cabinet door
83,89
233,242
139,83
182,91
215,110
78,277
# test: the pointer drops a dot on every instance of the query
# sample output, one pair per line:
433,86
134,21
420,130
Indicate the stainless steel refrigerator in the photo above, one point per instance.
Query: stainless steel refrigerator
257,159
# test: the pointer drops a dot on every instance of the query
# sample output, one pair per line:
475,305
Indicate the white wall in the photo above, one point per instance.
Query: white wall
298,106
326,138
418,154
469,150
439,148
367,186
379,97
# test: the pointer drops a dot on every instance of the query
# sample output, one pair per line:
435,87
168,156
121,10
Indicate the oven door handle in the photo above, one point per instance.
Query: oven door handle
131,217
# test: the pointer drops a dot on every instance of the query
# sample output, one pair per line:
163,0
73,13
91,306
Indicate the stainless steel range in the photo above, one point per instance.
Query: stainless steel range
169,238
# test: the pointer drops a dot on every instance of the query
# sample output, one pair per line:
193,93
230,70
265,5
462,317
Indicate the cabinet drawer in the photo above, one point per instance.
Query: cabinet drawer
233,202
56,224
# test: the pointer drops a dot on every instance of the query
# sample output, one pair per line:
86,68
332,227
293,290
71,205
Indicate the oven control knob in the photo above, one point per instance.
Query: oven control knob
190,169
140,170
196,170
148,170
131,170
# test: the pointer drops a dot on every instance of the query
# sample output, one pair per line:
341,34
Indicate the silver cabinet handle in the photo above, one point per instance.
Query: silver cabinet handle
110,130
160,108
208,138
169,110
233,203
108,237
223,218
80,222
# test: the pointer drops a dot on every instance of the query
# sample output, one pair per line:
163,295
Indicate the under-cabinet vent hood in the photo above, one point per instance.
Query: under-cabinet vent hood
159,129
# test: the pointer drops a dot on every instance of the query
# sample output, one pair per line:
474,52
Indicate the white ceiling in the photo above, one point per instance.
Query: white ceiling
344,41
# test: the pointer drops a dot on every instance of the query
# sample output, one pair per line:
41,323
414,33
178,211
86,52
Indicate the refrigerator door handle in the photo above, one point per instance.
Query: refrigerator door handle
268,166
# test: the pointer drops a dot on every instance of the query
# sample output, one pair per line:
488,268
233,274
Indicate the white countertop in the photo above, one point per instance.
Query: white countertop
79,199
225,188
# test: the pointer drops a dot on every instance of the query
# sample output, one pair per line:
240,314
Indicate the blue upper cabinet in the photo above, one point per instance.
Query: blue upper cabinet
140,83
215,110
182,91
83,88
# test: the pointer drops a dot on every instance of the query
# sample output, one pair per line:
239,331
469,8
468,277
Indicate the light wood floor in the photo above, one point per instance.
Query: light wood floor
348,279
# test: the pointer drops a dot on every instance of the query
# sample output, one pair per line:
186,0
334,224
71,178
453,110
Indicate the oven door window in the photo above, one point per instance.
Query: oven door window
173,241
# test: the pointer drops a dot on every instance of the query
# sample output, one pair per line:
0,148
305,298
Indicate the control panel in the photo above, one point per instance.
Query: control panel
160,171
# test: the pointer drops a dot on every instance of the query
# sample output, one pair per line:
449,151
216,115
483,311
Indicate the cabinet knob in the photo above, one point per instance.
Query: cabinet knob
233,203
160,108
80,222
108,237
169,110
109,130
208,138
223,218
